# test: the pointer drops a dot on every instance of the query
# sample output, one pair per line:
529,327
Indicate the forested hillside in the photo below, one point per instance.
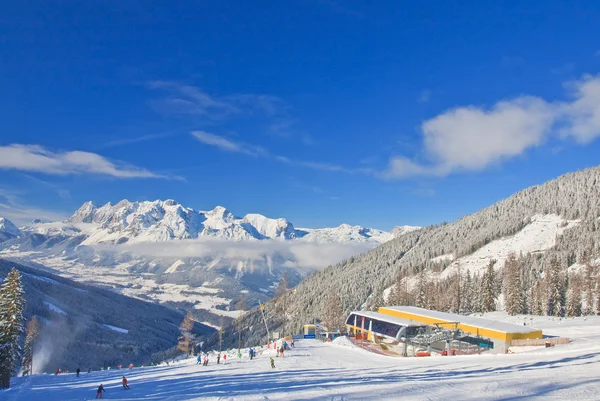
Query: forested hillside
360,281
89,327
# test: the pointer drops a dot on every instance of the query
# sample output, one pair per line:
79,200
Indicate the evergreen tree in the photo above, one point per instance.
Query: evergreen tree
186,338
393,296
12,304
573,299
555,287
333,316
32,332
588,287
513,287
421,298
281,294
377,302
537,301
488,289
468,294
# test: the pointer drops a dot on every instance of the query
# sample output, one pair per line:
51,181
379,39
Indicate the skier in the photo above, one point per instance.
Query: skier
218,359
90,370
78,370
239,357
272,363
224,359
125,385
100,391
198,360
251,352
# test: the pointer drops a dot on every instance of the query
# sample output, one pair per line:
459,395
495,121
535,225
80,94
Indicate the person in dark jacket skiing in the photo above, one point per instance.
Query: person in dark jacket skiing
218,359
100,391
78,370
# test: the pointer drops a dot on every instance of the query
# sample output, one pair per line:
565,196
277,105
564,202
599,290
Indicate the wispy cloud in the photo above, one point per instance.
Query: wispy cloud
228,145
191,100
138,139
35,158
471,138
424,96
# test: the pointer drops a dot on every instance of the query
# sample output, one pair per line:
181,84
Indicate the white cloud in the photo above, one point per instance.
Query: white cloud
298,253
228,145
583,113
472,138
35,158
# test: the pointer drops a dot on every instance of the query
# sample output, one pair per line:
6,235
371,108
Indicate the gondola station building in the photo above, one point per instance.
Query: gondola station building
410,324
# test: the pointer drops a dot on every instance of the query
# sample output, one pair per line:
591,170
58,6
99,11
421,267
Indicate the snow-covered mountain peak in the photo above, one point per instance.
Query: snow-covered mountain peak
7,227
84,214
155,221
270,228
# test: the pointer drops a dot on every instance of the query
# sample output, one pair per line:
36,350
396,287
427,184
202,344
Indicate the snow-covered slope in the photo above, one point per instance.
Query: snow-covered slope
536,237
334,371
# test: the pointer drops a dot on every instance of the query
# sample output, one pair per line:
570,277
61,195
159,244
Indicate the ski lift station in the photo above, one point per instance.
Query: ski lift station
424,327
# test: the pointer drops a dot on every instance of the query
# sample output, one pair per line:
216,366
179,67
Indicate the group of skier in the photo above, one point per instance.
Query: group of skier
101,390
204,360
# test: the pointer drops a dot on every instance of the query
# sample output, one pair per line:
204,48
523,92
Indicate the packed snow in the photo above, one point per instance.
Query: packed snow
342,371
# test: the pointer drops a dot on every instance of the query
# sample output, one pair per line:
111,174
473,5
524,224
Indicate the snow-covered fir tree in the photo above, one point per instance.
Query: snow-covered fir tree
588,287
538,299
556,290
421,299
377,302
573,307
488,289
514,298
468,294
12,304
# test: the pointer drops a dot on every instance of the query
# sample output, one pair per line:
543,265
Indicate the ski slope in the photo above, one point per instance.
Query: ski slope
340,371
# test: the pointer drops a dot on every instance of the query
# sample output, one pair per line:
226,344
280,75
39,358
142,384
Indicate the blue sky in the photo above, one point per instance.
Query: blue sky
323,112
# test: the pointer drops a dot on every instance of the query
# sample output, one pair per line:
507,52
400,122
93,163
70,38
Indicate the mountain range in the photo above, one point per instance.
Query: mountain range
164,252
